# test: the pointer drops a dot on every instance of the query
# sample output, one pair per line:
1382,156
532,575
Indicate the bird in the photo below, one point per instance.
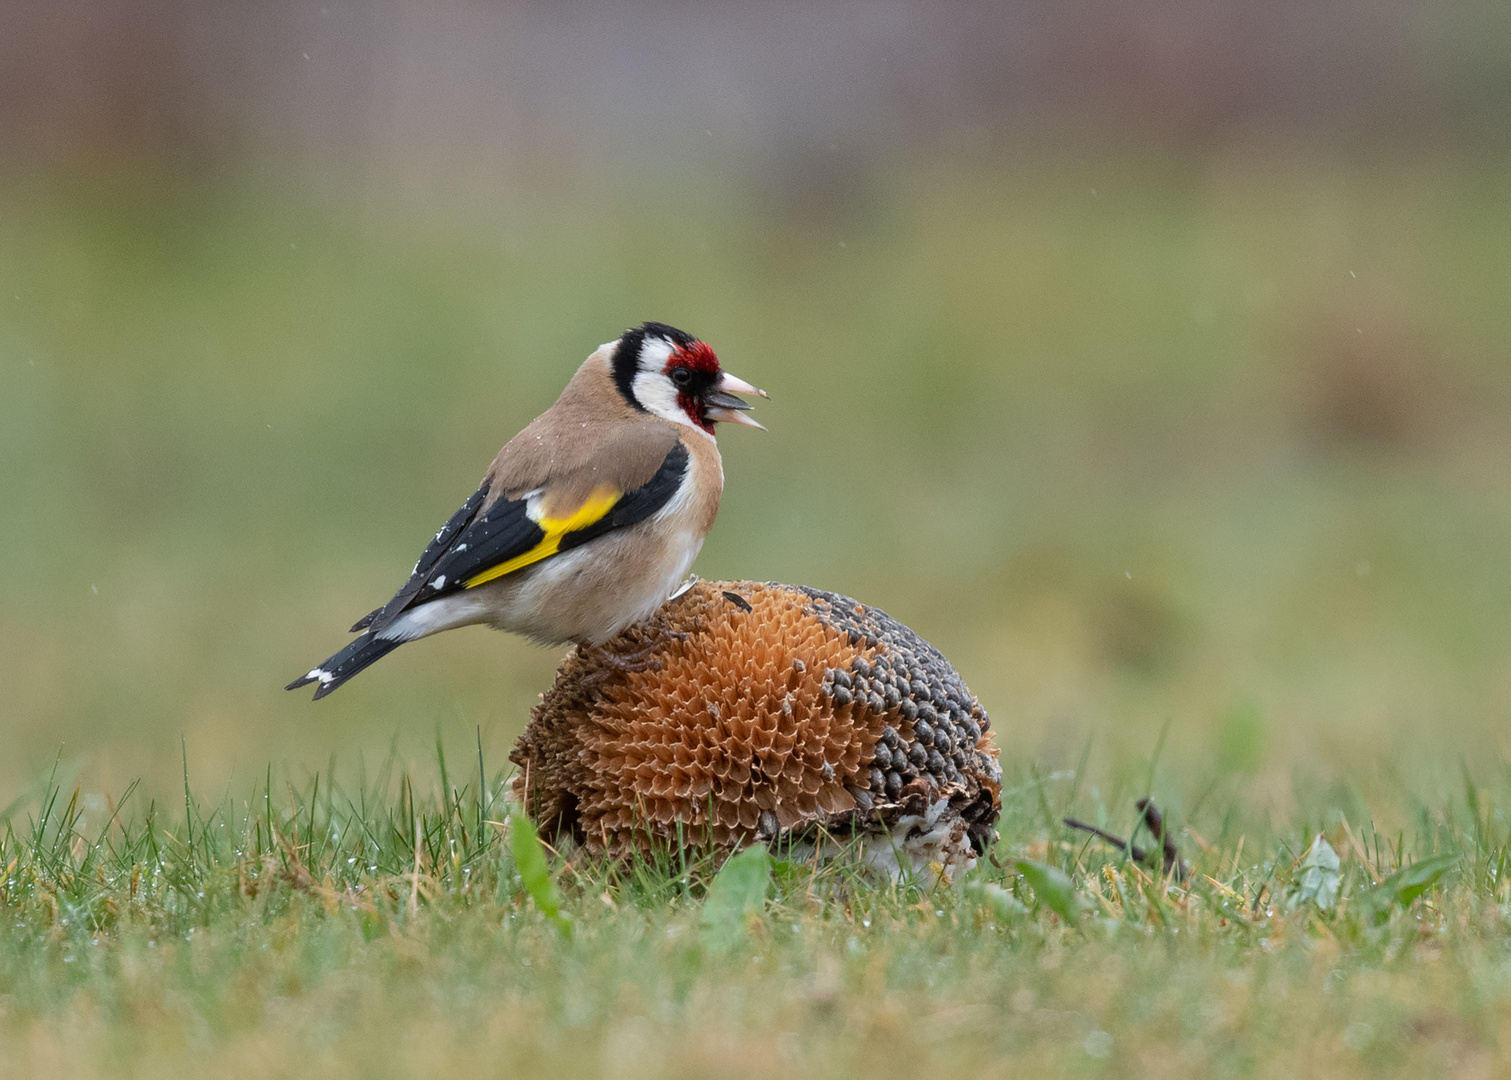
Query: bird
587,520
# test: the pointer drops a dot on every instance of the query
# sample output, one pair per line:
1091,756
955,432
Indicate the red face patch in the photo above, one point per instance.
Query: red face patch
699,360
693,407
696,357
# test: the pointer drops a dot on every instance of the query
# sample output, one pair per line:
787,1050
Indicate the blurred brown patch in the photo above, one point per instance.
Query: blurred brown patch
1070,595
1137,628
1374,377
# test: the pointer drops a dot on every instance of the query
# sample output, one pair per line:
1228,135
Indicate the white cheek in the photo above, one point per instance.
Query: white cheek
656,392
654,354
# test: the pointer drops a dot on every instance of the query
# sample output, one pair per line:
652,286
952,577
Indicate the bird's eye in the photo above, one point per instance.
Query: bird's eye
681,376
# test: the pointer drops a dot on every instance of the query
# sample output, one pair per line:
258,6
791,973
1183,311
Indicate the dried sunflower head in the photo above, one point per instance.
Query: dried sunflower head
746,712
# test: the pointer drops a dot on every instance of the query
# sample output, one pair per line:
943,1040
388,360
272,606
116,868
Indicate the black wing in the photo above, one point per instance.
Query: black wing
473,543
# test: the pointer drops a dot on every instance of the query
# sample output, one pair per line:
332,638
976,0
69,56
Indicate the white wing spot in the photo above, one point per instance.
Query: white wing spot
439,582
461,547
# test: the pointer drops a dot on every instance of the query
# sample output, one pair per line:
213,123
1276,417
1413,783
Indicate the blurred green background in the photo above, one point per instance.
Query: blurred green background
1153,414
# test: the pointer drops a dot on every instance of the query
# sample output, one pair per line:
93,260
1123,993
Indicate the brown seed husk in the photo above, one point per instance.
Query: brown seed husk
706,723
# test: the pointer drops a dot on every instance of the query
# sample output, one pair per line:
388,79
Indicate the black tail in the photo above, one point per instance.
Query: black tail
364,650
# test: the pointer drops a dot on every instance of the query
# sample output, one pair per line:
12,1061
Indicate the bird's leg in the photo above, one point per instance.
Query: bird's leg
607,661
640,659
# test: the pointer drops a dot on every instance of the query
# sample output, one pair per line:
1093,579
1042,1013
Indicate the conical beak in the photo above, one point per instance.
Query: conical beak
729,416
724,407
732,385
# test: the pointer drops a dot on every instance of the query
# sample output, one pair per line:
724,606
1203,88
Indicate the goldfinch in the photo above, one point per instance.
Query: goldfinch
587,520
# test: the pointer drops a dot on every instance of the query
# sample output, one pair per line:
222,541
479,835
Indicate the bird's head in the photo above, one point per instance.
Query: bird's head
673,375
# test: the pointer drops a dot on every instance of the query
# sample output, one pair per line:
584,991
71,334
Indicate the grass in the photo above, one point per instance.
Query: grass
384,927
1196,467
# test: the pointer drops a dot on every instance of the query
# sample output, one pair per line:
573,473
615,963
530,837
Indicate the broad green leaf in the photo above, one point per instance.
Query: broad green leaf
1053,888
1412,881
1409,882
1317,878
530,861
735,897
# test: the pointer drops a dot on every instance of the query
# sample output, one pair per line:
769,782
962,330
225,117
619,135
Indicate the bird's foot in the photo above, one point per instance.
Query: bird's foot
606,661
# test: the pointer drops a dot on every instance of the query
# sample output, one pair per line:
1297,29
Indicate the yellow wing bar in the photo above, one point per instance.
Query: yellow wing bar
600,502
